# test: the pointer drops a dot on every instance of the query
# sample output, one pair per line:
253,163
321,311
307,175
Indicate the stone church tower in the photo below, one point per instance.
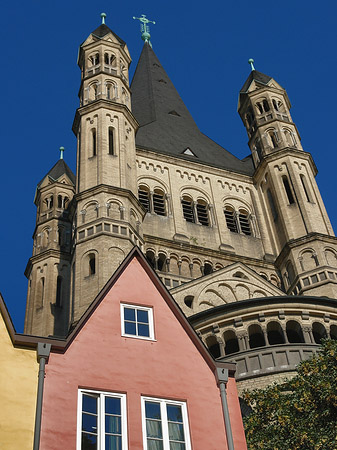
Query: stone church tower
245,246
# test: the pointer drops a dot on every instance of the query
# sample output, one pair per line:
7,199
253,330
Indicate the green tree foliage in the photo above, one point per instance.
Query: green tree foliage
301,413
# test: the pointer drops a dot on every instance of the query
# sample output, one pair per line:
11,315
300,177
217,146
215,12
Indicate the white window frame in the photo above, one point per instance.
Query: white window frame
100,418
150,316
164,421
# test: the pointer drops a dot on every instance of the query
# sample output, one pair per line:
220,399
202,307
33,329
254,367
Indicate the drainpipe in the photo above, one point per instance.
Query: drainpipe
43,351
222,375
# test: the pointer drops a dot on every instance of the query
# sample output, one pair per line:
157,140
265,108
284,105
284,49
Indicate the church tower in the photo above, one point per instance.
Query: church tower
299,226
108,214
48,270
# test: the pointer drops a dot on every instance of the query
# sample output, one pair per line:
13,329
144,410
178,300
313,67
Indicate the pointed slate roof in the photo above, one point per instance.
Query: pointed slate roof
103,30
166,126
59,169
257,76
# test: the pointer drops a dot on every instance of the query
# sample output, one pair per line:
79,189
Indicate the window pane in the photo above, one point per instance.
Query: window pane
89,423
89,442
142,316
177,446
89,404
113,425
112,405
130,328
153,429
174,413
154,445
113,443
152,410
176,431
143,330
129,314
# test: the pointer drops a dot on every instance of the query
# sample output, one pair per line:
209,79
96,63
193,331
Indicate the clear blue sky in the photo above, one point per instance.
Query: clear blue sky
203,46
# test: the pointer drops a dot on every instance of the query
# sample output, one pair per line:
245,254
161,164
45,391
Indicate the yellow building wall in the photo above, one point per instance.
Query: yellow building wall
18,382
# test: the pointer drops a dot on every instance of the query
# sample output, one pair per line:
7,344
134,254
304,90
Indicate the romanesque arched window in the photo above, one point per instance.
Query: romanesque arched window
244,222
58,300
319,332
159,202
111,143
275,333
92,263
144,197
230,217
213,346
202,212
294,332
288,190
256,337
188,209
93,142
305,187
231,342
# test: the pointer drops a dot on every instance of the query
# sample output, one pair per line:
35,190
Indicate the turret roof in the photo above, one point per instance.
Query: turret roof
166,126
59,169
103,30
257,76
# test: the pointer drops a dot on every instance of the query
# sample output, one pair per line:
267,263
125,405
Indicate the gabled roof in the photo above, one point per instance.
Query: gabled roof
257,76
166,126
59,169
136,253
103,30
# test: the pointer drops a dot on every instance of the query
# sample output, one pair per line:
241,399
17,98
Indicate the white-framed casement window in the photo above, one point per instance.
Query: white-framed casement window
165,425
137,321
101,421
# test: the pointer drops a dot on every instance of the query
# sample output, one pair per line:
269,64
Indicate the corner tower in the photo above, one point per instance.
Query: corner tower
108,214
48,270
299,227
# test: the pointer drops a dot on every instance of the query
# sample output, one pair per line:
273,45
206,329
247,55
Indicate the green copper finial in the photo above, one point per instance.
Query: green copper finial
144,27
61,152
103,15
251,62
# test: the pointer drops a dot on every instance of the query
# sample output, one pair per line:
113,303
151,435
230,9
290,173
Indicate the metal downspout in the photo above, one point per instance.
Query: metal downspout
222,380
43,351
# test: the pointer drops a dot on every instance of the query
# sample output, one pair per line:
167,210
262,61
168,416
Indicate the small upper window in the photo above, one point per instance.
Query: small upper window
137,321
231,220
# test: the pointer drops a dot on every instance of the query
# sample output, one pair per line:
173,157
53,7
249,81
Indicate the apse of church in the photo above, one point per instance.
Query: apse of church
219,231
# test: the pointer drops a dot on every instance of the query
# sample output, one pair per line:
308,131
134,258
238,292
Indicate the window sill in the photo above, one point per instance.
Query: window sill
143,338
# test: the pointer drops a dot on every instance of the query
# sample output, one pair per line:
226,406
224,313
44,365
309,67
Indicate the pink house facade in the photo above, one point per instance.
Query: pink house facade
134,375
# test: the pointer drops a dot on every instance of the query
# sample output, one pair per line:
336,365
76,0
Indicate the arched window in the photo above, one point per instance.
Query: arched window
294,332
161,262
213,346
59,201
159,202
288,190
59,291
108,91
272,204
202,212
257,147
244,223
111,141
256,337
230,217
319,332
305,187
150,256
144,197
275,333
231,342
94,86
208,268
92,264
94,142
266,106
273,138
275,104
188,210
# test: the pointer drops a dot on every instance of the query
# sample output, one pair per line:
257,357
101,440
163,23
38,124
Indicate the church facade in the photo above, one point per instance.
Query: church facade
245,247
